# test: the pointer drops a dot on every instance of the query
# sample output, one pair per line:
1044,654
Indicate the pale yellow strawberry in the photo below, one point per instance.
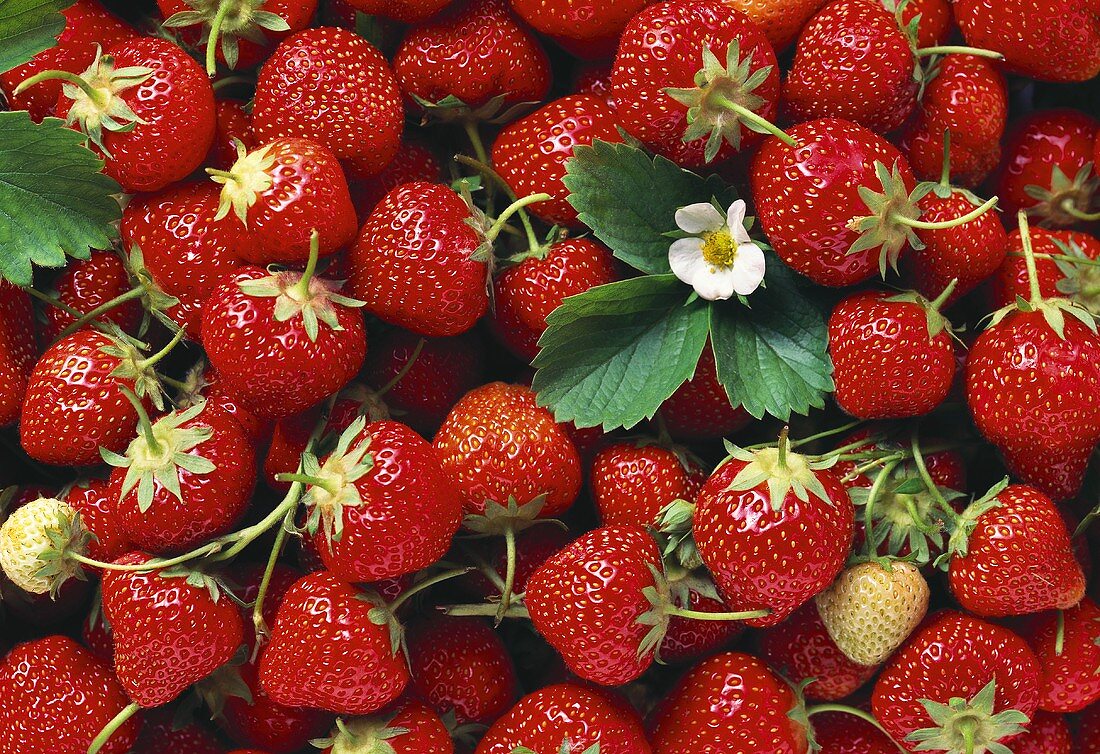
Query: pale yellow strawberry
34,542
870,610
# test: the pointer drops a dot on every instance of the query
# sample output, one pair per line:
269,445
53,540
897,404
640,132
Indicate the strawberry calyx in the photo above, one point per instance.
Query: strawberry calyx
1082,275
361,735
675,523
154,301
723,101
960,529
1067,201
40,544
934,319
780,471
194,576
383,614
134,366
224,683
243,183
567,747
969,727
227,22
451,109
96,94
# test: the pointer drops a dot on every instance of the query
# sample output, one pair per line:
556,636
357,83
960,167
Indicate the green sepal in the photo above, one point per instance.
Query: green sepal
314,308
986,728
960,529
880,228
341,469
67,537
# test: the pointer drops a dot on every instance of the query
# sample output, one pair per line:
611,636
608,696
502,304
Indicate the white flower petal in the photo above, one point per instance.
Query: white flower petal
736,222
685,257
699,218
717,284
748,269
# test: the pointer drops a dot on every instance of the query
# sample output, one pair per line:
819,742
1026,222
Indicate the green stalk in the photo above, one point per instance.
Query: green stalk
102,309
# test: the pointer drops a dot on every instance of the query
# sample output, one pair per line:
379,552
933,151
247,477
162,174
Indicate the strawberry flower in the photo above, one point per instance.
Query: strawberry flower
717,258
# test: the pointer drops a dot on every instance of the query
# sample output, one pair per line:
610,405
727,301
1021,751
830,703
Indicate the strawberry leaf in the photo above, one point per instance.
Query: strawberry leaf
771,356
630,198
614,353
27,27
55,200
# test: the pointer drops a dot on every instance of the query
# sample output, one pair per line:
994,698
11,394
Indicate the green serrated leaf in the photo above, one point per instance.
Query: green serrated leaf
629,199
27,27
773,357
614,353
55,200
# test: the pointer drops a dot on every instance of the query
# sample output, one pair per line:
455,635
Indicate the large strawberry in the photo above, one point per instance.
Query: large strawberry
17,349
585,28
700,409
87,284
695,81
332,87
409,727
633,482
1067,644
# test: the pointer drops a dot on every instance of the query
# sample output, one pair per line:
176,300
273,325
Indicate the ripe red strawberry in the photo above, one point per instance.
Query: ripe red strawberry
461,665
232,125
700,409
475,52
17,350
414,161
95,634
1055,40
801,648
585,28
578,718
416,262
282,193
410,727
933,19
202,384
1047,166
1088,725
959,678
843,733
730,702
405,11
171,629
98,510
1047,733
780,20
332,87
56,696
633,482
893,356
327,651
147,107
1067,679
1065,279
87,24
282,342
530,154
686,76
173,235
526,293
1012,555
85,284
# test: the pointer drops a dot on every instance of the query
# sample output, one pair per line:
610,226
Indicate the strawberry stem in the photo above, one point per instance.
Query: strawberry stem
509,574
926,477
1069,206
312,481
869,508
96,96
941,299
474,135
749,116
150,565
404,369
54,302
144,423
102,309
1029,259
855,712
925,52
228,175
681,612
159,355
300,290
1084,261
212,41
110,728
1059,632
945,224
783,446
396,605
260,627
230,81
511,209
945,166
515,611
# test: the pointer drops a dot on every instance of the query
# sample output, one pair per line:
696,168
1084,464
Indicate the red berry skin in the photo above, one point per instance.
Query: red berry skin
87,24
326,653
525,294
594,79
273,367
632,483
954,655
85,284
730,702
498,444
530,154
585,28
409,515
185,250
232,124
97,505
332,87
413,262
700,409
414,161
1011,278
255,428
405,11
161,735
423,731
585,715
268,724
73,406
662,47
842,733
806,197
801,648
461,664
96,636
168,633
1034,396
175,107
56,696
886,364
586,601
1019,559
1067,682
853,61
1087,731
1047,733
1053,40
764,558
475,51
17,350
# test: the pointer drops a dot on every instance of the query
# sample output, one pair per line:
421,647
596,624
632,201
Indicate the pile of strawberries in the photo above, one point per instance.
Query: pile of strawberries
278,475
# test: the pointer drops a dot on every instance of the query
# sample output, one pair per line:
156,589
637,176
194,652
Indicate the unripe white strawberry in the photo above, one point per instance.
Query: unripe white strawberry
35,541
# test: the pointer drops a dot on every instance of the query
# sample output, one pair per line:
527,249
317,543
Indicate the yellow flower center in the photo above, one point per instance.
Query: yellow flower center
719,248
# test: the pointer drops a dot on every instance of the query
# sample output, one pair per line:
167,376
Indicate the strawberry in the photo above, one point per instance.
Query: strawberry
475,56
780,20
417,262
327,651
87,24
163,734
282,342
1056,267
1088,725
585,28
690,639
842,733
1047,166
730,702
525,293
892,354
530,154
414,161
282,193
171,629
567,717
633,482
700,409
55,696
959,684
1046,734
405,11
380,505
232,125
933,19
86,284
17,350
332,87
202,384
1066,645
1011,555
701,93
38,545
461,666
98,509
1055,40
174,237
802,649
410,727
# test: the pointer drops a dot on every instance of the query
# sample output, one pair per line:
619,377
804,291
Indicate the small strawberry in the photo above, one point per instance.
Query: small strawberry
842,733
1067,644
39,544
410,727
85,285
633,482
98,509
691,639
700,409
1047,733
414,161
17,350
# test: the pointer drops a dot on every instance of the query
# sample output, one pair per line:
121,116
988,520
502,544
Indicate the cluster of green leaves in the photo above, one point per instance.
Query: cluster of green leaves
613,354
